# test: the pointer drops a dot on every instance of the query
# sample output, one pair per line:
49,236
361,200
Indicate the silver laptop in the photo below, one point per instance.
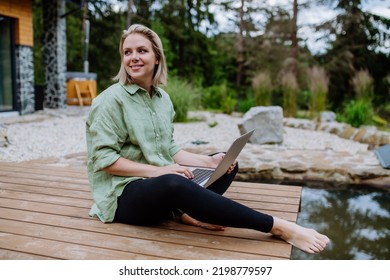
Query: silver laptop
206,176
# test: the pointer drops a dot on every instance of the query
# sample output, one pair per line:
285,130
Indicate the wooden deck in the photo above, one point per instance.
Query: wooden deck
44,215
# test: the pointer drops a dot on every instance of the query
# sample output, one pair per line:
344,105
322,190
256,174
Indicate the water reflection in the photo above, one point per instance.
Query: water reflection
357,222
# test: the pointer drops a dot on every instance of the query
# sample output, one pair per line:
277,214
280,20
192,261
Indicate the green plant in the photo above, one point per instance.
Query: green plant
246,104
184,97
290,90
219,97
228,104
358,112
379,121
262,87
318,82
363,85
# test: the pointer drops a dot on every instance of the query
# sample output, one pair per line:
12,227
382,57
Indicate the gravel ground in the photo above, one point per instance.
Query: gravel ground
57,133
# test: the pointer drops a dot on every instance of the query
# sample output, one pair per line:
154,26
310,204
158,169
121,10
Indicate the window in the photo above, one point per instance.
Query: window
6,64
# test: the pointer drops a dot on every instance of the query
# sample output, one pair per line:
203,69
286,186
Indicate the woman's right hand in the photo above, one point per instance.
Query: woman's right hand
174,169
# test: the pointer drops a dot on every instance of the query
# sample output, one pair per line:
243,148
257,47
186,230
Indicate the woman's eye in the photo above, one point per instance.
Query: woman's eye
127,52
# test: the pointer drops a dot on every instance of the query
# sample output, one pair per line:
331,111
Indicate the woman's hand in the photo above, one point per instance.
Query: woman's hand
217,158
174,169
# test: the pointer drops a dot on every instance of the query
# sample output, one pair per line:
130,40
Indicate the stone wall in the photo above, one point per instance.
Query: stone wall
25,80
365,134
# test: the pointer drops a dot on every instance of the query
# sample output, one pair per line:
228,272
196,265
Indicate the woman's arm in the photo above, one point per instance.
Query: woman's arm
125,167
191,159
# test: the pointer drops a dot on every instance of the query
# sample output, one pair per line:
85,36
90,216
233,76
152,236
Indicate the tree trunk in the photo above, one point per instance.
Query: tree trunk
240,55
129,12
294,39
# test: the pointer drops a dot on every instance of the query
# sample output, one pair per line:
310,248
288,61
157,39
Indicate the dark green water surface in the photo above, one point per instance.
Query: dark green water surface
357,221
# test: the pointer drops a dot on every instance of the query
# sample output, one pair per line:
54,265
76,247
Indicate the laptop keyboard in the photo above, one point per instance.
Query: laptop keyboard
201,174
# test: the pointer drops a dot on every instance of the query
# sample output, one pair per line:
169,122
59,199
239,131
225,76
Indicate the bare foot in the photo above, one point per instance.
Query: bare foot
305,239
188,220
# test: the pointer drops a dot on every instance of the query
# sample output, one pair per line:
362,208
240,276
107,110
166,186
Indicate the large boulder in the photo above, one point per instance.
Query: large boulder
267,122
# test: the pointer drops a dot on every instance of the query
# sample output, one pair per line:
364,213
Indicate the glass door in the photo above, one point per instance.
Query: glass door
6,62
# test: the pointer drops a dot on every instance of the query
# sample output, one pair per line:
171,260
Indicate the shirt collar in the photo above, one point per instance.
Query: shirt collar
134,88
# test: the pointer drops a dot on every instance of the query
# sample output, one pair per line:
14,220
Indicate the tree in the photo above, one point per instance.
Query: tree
356,39
242,17
181,21
294,38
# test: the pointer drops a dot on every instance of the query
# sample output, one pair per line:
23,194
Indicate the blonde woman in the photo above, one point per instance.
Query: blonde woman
136,170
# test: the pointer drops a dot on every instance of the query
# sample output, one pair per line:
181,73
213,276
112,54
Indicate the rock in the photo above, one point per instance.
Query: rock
3,136
268,122
299,123
328,116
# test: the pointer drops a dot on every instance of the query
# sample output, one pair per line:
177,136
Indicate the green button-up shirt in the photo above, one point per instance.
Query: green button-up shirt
124,121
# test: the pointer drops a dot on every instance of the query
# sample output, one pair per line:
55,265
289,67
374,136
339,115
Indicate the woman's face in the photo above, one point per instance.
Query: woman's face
139,59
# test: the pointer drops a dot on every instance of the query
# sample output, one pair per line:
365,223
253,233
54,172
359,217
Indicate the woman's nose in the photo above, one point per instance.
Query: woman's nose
134,56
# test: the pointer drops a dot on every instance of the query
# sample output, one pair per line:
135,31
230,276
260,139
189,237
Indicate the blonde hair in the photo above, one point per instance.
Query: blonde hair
160,72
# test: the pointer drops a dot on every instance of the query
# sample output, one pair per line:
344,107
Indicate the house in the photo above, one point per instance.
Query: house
16,57
18,93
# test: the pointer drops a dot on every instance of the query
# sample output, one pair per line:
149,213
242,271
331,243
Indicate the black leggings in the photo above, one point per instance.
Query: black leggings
149,201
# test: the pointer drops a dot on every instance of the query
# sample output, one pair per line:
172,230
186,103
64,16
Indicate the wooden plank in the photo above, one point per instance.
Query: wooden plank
13,255
136,237
44,210
61,250
74,201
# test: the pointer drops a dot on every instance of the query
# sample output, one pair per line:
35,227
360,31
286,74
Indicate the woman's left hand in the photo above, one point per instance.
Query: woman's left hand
217,158
231,168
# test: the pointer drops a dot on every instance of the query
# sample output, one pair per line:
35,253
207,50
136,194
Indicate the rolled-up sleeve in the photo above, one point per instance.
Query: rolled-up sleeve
103,144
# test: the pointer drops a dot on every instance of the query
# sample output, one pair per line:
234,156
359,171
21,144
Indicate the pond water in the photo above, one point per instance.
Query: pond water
356,220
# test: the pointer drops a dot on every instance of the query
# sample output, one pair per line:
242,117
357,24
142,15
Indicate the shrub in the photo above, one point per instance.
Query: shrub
358,112
318,82
363,85
290,90
361,111
212,96
262,87
184,97
246,104
219,97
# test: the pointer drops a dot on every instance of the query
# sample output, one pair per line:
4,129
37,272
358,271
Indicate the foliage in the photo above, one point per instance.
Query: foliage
318,85
377,120
358,112
290,90
246,104
199,52
357,36
181,22
219,97
38,43
184,97
361,111
363,86
262,87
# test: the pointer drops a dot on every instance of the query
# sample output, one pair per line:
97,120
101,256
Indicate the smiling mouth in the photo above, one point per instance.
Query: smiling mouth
135,67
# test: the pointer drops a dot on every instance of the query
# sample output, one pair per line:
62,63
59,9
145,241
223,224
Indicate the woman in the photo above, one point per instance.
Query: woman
136,170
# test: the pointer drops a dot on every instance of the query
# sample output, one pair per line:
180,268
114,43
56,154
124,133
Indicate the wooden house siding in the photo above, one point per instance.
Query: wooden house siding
22,11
